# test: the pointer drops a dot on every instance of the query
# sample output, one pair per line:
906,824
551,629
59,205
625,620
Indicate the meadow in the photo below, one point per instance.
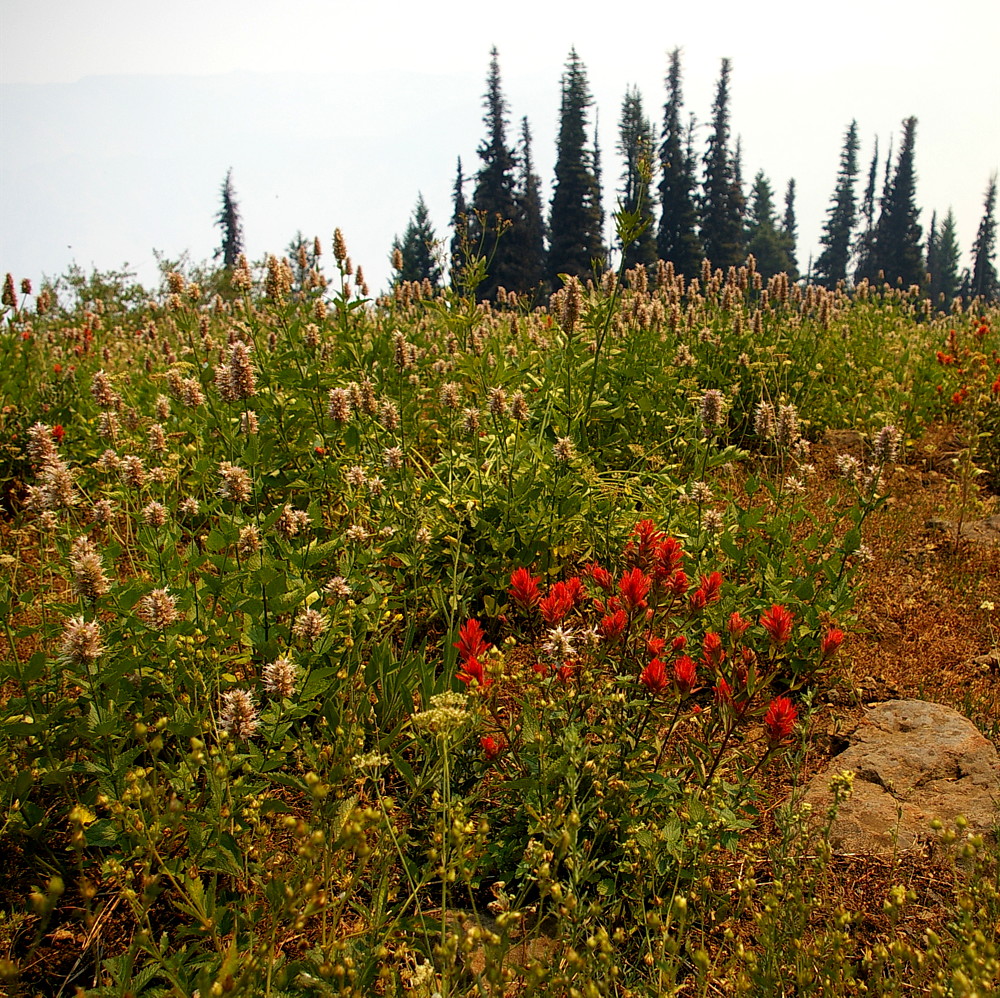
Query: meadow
420,646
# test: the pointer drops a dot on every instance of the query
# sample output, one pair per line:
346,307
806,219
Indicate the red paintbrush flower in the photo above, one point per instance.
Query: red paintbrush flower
557,604
472,671
613,626
685,674
491,748
634,586
58,433
778,623
601,576
471,640
737,625
780,719
712,650
654,676
831,642
669,555
524,588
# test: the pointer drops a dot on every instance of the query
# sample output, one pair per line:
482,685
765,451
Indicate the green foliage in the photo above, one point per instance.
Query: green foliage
722,201
245,544
575,218
831,265
418,249
636,148
676,238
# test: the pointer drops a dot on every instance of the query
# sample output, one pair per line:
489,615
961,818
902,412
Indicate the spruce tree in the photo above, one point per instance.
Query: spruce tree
831,266
932,255
945,279
721,199
897,235
419,248
677,238
984,273
635,146
575,217
790,232
460,231
765,240
494,202
865,249
529,232
229,221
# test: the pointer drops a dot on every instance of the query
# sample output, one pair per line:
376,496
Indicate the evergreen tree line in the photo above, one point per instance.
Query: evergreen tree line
672,213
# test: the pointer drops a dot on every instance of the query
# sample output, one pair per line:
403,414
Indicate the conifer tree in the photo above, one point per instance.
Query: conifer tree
984,273
897,234
865,249
460,230
494,202
721,200
575,216
790,232
831,266
527,235
635,146
229,221
765,241
677,238
932,256
945,280
419,248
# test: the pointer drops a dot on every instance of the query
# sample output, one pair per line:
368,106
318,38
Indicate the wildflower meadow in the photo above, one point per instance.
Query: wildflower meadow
420,646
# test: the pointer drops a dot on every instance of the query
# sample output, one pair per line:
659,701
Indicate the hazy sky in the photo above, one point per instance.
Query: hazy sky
119,118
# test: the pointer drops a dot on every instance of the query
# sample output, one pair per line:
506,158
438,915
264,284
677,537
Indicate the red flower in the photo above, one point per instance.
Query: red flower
679,643
669,555
319,451
601,576
712,584
472,669
471,641
737,626
678,584
565,672
57,368
647,538
831,642
524,588
654,645
557,604
698,600
58,433
712,650
724,693
613,626
575,589
778,623
960,396
634,586
491,748
996,386
780,719
685,674
654,676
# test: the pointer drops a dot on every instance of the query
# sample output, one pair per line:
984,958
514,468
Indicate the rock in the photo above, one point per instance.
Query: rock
978,533
913,761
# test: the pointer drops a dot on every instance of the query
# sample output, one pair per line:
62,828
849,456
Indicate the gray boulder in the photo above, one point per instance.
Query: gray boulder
913,761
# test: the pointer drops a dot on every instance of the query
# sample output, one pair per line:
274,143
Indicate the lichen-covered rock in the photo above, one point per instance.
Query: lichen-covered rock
913,761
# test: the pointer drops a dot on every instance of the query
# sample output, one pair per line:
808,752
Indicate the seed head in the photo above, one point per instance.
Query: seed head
239,714
154,515
157,610
81,642
451,395
339,407
497,399
249,541
712,409
279,677
236,484
564,450
887,445
309,626
392,458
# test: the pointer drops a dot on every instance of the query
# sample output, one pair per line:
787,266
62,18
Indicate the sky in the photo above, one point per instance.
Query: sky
120,118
